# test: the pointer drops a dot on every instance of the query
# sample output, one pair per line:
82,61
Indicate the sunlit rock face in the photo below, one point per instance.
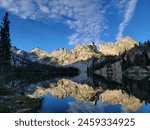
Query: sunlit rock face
60,56
79,53
118,97
40,53
64,88
65,57
116,48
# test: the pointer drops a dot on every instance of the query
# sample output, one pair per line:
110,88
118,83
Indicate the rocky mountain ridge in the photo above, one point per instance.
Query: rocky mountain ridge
79,53
119,47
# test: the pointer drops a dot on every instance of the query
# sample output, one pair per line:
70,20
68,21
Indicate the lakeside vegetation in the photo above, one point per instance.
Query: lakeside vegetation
10,102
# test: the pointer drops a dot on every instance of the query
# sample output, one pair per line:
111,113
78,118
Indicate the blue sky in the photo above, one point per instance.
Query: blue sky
51,24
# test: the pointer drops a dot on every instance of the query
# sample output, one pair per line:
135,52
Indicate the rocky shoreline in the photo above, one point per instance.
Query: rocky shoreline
14,103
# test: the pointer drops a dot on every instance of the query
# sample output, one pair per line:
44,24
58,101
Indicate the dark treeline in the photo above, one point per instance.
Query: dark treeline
44,69
107,60
142,59
105,83
137,56
138,88
19,81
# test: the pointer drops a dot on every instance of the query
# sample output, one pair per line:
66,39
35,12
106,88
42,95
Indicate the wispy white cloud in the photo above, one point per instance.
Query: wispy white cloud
128,8
84,17
23,8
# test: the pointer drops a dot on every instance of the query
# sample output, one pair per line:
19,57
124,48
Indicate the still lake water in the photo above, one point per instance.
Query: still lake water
52,104
81,94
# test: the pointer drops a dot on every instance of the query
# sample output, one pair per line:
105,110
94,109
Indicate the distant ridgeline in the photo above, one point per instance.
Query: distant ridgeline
12,63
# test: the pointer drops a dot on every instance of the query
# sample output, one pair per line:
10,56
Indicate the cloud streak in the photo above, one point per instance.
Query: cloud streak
128,13
84,17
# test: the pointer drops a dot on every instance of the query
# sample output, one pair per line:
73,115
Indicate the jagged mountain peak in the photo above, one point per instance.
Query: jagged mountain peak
78,53
89,48
118,47
37,49
40,52
91,43
60,50
127,39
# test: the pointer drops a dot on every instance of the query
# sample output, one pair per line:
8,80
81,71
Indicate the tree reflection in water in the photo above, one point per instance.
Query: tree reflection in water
94,94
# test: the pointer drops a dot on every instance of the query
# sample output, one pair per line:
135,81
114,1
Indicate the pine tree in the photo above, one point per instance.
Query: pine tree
1,49
5,42
146,60
0,42
128,62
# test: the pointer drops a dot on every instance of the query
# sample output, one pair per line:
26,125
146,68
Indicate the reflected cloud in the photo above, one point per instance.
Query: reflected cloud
100,107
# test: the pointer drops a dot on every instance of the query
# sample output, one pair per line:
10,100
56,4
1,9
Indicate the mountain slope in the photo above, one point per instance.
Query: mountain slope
119,47
75,56
59,56
134,63
79,53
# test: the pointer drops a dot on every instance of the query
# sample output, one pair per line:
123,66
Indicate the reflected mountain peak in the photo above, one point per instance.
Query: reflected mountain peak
119,97
65,87
83,93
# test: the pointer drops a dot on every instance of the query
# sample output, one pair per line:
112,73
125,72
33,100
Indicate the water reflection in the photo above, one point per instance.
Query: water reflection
88,94
69,104
53,104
